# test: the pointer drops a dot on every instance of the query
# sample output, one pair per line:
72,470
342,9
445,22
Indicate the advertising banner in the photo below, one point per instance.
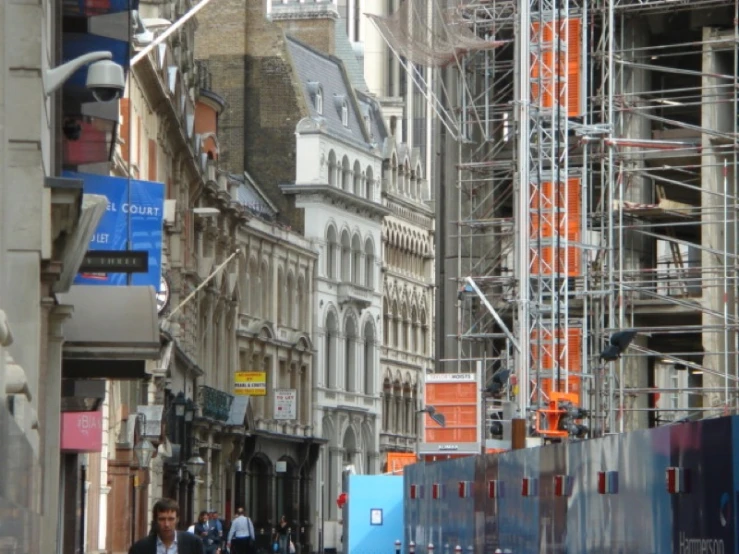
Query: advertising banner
132,221
250,383
286,404
82,431
452,420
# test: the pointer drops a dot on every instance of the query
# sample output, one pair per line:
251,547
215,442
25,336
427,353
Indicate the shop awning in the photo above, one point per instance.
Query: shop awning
112,332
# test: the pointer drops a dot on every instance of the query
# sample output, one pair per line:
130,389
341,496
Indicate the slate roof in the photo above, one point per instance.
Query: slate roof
314,66
248,195
346,54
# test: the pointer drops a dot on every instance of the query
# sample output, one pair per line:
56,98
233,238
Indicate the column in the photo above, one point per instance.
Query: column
50,406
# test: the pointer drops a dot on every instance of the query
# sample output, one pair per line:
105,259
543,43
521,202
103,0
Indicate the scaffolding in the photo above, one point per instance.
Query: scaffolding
595,148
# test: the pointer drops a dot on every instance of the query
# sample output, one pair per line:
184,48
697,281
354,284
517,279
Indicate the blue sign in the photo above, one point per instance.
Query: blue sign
132,221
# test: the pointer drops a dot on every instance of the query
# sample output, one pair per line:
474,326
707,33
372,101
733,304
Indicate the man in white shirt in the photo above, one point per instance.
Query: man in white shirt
241,536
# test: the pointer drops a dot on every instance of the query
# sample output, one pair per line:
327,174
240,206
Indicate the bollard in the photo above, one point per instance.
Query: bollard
397,546
457,549
498,551
470,549
412,548
430,548
446,548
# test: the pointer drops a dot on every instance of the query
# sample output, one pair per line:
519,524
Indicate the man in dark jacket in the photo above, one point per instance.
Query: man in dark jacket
166,539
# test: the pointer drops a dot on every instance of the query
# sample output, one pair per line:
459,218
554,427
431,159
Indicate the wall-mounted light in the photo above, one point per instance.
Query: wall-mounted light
144,451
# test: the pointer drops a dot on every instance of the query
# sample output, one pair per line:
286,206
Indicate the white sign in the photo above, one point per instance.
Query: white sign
286,404
450,377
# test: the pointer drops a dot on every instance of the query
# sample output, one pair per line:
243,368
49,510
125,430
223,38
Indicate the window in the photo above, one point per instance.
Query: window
350,353
345,115
346,254
369,183
331,253
330,349
369,361
356,259
318,99
369,265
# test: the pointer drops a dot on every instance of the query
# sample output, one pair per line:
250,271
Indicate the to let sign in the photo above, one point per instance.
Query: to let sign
250,383
286,403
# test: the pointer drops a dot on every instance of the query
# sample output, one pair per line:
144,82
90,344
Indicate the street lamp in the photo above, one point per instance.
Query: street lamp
195,465
189,411
179,404
144,451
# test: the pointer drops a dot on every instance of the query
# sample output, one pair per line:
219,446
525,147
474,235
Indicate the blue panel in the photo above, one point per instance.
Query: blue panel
384,495
641,516
135,213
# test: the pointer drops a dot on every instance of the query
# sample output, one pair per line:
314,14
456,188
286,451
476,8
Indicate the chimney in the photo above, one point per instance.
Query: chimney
312,23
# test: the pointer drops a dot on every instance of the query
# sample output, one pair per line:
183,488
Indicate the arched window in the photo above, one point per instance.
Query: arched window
369,184
369,264
413,346
403,327
282,302
330,351
346,254
319,101
345,174
350,353
357,179
406,178
301,322
332,253
254,290
356,259
369,359
424,334
292,306
266,293
332,168
385,322
244,285
394,325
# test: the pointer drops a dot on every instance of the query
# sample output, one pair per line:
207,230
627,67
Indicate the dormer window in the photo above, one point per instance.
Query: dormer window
315,90
345,115
342,107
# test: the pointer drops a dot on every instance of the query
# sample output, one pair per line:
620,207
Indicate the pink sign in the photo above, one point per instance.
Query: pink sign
82,431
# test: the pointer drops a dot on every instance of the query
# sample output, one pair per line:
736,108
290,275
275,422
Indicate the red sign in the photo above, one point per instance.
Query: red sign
82,431
341,500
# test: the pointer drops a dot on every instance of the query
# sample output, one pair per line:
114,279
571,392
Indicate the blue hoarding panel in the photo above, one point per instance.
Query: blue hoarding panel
375,513
638,512
132,221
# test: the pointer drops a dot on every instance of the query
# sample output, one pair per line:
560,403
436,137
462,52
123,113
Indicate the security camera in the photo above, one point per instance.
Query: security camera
105,80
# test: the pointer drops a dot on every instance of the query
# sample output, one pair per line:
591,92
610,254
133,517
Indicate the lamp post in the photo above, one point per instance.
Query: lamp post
144,451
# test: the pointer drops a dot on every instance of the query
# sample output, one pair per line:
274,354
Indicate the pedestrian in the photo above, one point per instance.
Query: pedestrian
241,536
202,531
282,535
165,538
217,524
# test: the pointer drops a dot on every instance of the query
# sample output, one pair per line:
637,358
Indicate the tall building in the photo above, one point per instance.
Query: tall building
587,173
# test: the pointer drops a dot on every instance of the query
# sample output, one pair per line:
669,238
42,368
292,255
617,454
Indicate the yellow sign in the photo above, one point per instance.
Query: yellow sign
250,383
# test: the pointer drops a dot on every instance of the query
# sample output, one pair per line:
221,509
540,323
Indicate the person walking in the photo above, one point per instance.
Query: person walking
216,524
165,538
282,535
241,535
204,531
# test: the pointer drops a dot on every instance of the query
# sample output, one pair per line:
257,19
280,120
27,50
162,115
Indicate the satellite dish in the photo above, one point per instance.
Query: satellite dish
165,448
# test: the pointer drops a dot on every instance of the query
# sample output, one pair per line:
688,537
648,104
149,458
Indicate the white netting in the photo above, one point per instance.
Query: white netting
407,31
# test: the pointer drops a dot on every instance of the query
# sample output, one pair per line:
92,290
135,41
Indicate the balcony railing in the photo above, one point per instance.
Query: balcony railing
214,403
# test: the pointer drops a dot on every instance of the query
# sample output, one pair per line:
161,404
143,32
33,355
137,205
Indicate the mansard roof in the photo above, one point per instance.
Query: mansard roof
328,72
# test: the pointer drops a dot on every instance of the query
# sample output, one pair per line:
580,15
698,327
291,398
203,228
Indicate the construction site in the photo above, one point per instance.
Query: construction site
586,203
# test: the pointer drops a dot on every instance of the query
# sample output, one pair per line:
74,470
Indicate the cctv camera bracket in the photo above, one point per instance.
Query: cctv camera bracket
55,78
